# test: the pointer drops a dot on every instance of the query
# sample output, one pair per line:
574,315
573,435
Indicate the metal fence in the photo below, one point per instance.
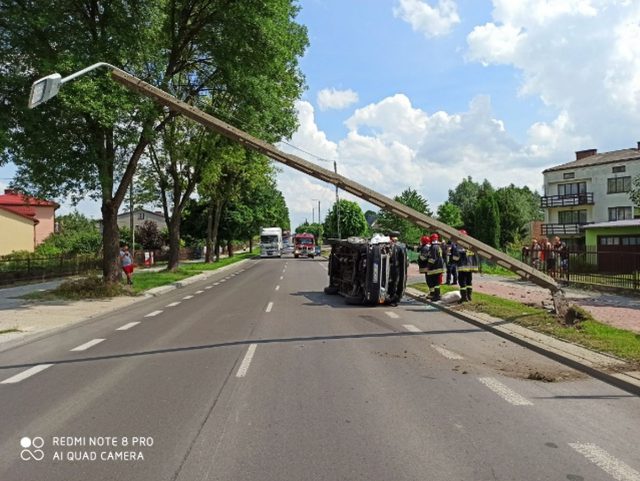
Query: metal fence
615,268
31,268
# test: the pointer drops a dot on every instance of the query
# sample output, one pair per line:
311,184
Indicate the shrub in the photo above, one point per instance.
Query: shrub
89,288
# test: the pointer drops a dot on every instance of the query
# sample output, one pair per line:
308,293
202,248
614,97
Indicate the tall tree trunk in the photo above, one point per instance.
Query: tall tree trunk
174,243
210,242
250,244
110,242
229,249
216,226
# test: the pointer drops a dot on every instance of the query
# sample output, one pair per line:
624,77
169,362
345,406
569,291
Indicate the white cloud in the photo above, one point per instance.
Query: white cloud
392,145
336,99
581,57
432,21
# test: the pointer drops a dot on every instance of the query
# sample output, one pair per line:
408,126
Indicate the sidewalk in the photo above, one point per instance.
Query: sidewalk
613,309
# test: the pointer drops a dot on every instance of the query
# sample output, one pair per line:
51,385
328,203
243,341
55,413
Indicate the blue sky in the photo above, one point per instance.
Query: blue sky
422,93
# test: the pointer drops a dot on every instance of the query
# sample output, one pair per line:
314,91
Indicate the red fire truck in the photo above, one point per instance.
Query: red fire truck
304,245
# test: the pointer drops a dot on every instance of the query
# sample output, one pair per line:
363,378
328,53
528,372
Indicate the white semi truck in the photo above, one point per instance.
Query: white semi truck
271,242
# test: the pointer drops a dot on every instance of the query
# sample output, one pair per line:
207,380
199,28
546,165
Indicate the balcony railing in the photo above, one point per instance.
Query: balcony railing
562,229
566,200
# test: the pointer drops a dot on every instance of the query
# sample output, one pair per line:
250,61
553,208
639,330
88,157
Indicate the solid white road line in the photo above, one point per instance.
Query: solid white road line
127,326
277,288
25,374
244,367
87,345
504,392
154,313
173,304
447,353
616,468
392,315
269,307
411,328
199,292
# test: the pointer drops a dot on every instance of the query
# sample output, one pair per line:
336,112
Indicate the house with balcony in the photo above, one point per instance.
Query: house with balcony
587,203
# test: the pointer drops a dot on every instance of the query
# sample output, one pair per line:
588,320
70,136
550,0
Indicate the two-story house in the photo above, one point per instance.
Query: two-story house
587,203
140,216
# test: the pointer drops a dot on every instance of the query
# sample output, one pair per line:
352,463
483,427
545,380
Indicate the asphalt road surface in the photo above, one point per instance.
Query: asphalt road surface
255,374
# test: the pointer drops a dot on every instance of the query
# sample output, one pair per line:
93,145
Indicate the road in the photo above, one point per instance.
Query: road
255,374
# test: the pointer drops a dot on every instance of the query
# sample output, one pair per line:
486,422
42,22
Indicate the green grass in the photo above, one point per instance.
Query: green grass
143,281
9,331
590,333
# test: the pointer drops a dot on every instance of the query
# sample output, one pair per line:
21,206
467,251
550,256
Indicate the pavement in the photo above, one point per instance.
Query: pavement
255,374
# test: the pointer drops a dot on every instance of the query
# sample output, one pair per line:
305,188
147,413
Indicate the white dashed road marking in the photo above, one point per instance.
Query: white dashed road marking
87,345
281,277
269,307
25,374
504,392
216,283
187,297
447,353
244,367
392,315
277,288
154,313
173,304
127,326
616,468
411,328
208,287
199,292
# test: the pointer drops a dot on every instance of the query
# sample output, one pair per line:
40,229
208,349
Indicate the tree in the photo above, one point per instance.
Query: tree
634,194
76,234
487,220
352,221
449,213
316,229
149,236
239,58
409,232
465,197
517,206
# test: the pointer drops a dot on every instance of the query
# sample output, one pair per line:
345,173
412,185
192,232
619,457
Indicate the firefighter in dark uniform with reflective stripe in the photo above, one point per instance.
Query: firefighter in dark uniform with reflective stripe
467,262
435,267
423,254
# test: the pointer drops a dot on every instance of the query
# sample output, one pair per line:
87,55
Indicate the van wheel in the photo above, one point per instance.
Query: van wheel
331,290
353,300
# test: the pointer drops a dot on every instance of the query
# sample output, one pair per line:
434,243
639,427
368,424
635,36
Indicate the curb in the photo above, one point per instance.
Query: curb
157,291
595,364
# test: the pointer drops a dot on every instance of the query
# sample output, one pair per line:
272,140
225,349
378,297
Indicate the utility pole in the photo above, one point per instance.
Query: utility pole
313,215
133,230
335,168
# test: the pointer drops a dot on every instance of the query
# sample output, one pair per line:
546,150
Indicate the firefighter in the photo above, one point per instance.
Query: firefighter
452,268
423,254
435,267
467,262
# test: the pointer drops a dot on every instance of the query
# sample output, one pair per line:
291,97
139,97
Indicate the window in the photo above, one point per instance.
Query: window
140,215
620,213
618,169
618,184
572,217
568,175
609,241
572,189
631,241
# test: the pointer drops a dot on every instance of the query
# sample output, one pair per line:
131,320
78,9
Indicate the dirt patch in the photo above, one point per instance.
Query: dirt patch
540,373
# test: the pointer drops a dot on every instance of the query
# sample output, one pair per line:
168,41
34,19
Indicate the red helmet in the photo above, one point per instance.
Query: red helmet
434,237
424,240
463,232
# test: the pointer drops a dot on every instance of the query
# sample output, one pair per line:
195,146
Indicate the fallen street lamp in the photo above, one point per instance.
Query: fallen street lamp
47,87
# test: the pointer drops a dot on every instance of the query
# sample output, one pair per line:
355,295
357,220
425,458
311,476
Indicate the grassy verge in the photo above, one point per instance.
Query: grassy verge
94,288
143,281
590,333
